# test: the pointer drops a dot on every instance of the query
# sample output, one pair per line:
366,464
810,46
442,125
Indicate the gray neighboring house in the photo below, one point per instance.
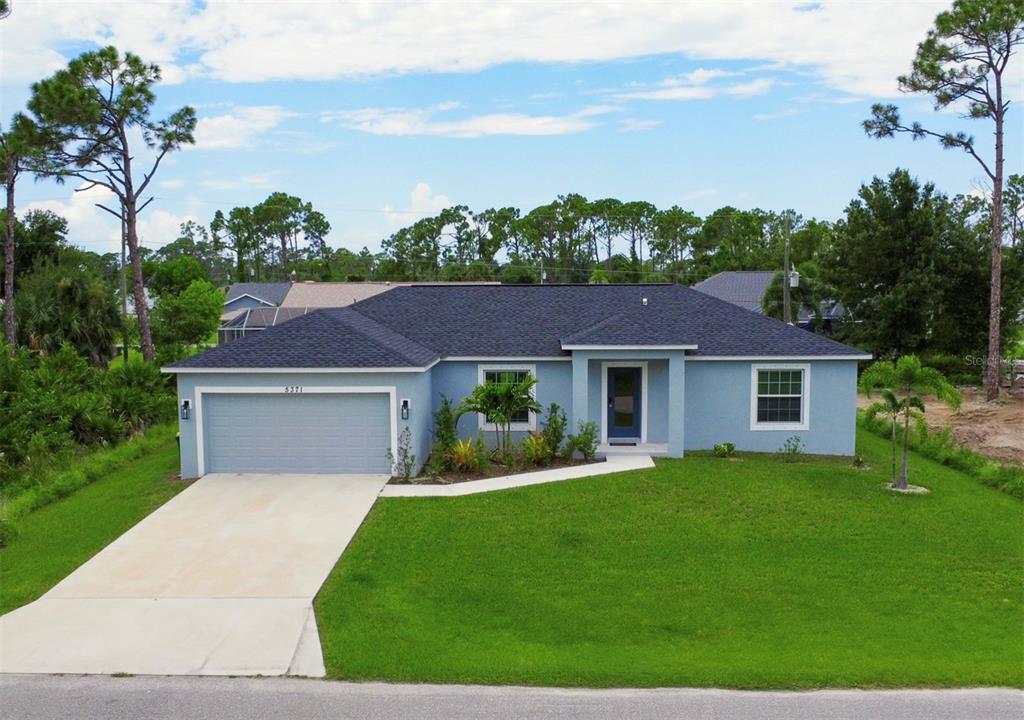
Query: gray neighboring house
243,322
241,299
253,307
242,296
660,369
745,288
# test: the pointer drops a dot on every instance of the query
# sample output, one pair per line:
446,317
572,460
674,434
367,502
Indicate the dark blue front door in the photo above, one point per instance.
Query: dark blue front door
624,403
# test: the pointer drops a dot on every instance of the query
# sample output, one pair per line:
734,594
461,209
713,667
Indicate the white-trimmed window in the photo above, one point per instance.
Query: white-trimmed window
779,397
508,374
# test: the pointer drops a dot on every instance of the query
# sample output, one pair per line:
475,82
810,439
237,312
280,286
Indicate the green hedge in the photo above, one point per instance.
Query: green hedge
69,473
940,447
53,406
958,369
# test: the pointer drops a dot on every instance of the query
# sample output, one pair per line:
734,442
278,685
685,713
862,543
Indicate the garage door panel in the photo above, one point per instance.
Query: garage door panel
312,433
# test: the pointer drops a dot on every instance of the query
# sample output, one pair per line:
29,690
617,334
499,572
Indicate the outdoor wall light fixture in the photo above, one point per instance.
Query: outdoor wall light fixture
186,409
405,409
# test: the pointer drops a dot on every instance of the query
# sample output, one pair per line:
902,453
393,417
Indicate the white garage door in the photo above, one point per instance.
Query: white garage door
301,433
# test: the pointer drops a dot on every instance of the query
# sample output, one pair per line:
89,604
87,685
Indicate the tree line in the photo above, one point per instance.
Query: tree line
916,270
908,262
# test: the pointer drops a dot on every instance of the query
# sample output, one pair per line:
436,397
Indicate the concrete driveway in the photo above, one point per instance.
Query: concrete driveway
219,581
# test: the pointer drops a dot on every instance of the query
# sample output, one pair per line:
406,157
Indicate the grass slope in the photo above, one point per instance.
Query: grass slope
703,572
56,539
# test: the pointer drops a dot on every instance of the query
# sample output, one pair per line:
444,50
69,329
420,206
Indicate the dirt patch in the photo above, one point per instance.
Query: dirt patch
994,429
492,470
909,489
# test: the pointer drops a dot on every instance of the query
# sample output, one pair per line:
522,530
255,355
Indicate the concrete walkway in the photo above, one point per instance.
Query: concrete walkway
613,464
161,698
218,581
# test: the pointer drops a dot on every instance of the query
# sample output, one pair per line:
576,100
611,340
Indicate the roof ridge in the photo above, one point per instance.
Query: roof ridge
583,332
338,315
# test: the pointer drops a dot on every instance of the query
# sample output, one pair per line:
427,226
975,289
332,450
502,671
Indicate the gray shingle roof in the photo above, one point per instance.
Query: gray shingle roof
506,320
328,338
745,288
413,326
272,293
739,287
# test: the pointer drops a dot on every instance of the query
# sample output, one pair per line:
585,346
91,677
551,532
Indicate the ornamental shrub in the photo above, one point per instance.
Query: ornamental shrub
583,442
724,450
468,456
535,449
554,429
792,448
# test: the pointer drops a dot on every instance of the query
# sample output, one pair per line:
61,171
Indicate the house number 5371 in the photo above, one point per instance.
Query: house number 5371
293,388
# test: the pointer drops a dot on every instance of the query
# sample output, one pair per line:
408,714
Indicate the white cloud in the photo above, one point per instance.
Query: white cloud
33,36
853,47
749,89
685,89
777,115
239,128
172,184
424,121
100,232
637,124
423,202
700,194
259,180
702,75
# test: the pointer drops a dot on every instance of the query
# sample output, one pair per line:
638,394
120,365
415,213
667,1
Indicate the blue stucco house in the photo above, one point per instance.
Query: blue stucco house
660,368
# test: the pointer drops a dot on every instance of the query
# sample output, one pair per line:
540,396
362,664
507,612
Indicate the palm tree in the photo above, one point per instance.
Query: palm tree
61,304
905,381
890,406
500,402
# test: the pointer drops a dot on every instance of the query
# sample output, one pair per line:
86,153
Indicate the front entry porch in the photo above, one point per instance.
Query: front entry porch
633,395
653,449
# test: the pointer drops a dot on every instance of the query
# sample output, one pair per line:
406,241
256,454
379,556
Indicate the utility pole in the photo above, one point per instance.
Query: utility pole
786,312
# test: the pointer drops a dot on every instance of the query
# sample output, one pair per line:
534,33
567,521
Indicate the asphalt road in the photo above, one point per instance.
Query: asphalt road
27,697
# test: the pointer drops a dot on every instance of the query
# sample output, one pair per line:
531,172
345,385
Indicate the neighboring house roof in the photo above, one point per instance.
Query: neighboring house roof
269,293
745,288
342,294
332,294
261,317
327,338
229,315
739,287
415,325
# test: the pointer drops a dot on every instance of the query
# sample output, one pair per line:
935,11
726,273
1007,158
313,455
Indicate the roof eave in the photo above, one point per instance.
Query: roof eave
606,346
780,358
170,369
251,297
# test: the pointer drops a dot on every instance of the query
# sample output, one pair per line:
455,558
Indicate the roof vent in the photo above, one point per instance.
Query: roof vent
644,302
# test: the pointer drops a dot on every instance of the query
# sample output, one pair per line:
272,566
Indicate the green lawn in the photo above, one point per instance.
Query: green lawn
118,359
702,572
56,539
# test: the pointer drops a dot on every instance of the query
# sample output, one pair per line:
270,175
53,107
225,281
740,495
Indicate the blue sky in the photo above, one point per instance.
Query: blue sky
379,114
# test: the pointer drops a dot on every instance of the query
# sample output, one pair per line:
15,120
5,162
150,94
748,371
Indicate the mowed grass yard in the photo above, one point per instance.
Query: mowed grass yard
54,540
752,573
